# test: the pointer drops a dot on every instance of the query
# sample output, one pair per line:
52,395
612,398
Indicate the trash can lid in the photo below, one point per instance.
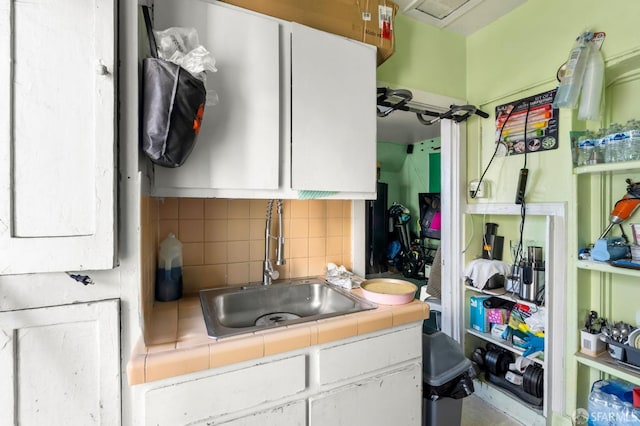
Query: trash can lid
442,359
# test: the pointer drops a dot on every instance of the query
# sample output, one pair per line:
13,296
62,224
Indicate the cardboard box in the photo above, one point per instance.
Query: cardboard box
478,314
368,21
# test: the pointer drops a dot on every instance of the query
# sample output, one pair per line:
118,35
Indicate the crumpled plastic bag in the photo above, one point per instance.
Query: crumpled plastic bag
338,275
182,47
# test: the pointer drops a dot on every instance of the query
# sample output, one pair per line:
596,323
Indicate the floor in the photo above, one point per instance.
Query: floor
476,412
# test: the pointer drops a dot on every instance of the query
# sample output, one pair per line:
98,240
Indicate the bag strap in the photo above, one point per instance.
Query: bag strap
152,39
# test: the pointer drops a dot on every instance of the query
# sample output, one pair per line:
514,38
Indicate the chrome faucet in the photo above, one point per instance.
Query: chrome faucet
268,272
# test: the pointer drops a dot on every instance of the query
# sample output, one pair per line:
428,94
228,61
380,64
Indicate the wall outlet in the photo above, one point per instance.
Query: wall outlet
479,188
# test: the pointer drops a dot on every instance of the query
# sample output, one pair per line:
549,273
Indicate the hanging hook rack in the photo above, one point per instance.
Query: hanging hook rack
403,102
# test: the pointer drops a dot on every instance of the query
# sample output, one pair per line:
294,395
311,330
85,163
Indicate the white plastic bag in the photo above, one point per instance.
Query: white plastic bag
182,47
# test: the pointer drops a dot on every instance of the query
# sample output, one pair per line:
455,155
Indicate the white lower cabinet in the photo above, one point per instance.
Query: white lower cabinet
293,414
219,395
388,399
60,365
369,380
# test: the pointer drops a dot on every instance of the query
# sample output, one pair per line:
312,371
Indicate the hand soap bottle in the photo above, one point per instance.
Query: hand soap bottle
169,273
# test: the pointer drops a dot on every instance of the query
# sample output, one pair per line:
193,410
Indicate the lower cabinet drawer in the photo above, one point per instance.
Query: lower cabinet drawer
369,355
393,398
197,400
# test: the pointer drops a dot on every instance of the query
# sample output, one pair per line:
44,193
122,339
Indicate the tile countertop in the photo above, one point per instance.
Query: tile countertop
180,345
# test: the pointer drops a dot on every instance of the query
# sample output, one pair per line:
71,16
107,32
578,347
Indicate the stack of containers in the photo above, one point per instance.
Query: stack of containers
615,144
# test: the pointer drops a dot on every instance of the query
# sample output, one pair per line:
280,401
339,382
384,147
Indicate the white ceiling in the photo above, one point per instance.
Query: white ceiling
467,16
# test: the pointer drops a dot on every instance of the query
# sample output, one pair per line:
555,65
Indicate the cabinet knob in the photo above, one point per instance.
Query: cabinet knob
102,69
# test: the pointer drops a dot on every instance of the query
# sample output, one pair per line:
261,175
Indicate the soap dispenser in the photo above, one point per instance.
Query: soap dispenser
169,272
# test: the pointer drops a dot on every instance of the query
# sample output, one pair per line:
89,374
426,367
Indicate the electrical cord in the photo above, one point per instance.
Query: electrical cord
523,204
526,122
495,151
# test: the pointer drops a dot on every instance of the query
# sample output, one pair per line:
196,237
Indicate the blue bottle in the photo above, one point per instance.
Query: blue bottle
169,273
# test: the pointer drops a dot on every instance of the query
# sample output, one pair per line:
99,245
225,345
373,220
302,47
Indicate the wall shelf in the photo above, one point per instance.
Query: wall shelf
553,216
501,293
606,268
599,286
626,166
606,364
503,344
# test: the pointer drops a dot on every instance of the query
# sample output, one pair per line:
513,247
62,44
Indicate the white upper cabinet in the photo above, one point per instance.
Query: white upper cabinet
296,109
333,86
57,136
238,144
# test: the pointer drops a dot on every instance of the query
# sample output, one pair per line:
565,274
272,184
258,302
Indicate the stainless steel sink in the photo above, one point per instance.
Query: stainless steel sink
230,311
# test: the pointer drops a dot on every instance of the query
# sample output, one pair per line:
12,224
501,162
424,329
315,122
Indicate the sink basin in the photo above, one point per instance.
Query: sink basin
231,311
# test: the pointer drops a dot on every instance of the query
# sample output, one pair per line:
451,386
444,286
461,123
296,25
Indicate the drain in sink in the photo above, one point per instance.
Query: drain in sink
275,317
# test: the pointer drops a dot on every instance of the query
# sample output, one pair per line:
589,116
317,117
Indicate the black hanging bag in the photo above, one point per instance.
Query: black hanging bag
172,107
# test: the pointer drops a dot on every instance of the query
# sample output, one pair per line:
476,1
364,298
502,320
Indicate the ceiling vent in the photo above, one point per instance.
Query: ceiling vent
462,16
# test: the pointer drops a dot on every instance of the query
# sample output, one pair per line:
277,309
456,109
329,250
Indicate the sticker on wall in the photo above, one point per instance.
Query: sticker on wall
540,118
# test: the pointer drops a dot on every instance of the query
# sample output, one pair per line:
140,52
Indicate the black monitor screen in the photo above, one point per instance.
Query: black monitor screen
430,216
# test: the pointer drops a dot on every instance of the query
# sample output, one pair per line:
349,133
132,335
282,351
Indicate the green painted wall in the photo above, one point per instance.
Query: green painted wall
528,45
426,58
407,174
517,56
514,57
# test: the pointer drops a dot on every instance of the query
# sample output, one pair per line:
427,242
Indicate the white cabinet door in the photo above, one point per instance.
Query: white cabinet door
57,144
391,399
61,365
294,414
239,143
333,98
209,398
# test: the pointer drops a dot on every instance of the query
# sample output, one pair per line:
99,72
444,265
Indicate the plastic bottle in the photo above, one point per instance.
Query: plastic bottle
592,85
585,151
614,139
169,273
569,88
600,141
632,130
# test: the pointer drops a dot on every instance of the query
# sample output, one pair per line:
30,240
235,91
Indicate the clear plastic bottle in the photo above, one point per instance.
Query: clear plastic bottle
585,150
614,143
592,85
588,152
569,88
632,130
169,274
600,141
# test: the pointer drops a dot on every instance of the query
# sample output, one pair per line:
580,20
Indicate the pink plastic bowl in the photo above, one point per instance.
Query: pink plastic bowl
388,291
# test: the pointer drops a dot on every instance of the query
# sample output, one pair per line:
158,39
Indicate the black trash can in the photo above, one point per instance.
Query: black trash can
447,377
